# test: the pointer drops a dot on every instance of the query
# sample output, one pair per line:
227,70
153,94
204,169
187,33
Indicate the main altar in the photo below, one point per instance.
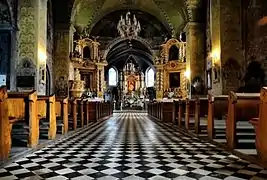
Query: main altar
133,86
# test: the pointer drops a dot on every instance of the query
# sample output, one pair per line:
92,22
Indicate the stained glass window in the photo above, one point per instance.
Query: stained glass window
112,77
150,78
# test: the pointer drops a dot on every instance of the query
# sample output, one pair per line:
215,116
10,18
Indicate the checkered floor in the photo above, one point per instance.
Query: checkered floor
131,146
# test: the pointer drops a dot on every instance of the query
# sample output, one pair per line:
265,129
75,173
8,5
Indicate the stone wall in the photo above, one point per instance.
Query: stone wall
50,46
255,37
226,43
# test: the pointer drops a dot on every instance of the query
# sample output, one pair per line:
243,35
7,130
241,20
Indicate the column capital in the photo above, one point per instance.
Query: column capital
193,25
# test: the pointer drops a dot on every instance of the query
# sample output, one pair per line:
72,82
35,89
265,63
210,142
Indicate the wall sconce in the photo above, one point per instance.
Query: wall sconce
215,55
42,56
187,74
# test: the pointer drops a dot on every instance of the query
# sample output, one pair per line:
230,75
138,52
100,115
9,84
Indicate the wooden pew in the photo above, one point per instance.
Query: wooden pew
241,107
72,114
62,113
201,111
92,111
22,109
168,111
181,117
80,112
46,110
5,129
217,109
260,125
86,111
189,112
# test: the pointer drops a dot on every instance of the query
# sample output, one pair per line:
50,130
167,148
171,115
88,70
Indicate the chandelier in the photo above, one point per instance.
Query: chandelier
128,27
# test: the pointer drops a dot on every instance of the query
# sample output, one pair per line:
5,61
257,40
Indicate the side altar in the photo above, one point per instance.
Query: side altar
87,69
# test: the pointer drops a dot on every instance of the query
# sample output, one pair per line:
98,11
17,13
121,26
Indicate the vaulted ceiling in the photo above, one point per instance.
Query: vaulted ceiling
172,13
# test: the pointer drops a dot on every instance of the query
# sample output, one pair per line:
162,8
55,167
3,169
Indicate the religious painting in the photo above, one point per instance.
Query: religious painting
174,79
131,83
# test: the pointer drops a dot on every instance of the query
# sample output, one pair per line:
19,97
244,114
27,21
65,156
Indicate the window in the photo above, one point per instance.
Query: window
112,77
150,78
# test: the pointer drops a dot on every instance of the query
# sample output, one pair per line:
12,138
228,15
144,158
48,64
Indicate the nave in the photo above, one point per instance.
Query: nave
131,146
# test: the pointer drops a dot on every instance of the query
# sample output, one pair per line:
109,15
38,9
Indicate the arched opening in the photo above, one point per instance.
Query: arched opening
86,52
5,44
112,77
150,77
173,53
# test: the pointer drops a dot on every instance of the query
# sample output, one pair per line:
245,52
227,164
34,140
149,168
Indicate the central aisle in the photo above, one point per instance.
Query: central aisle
131,146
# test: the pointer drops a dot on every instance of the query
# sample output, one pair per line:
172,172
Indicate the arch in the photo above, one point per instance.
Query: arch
162,16
173,53
112,76
7,4
86,52
120,39
150,77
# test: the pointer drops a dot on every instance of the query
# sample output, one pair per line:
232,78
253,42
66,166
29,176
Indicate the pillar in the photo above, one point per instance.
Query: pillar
159,81
195,49
226,43
63,44
32,38
100,79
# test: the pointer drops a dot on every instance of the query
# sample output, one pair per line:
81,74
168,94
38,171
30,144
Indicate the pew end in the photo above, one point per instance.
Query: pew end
242,107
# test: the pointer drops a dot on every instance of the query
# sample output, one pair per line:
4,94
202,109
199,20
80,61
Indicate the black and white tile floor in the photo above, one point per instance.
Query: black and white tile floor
131,146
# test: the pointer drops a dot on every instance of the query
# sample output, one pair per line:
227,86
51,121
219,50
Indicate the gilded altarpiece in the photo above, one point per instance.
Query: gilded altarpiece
171,62
86,59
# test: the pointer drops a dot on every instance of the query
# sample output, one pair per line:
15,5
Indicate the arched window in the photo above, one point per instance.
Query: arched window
150,78
173,53
112,77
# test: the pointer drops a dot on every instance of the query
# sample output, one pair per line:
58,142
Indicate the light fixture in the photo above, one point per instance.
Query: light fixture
128,27
215,55
42,56
187,74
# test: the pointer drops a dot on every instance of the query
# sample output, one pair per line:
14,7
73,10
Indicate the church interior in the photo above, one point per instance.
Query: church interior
133,89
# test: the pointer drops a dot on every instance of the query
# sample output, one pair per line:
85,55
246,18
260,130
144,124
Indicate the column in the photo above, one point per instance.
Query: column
32,21
100,79
61,66
159,81
195,50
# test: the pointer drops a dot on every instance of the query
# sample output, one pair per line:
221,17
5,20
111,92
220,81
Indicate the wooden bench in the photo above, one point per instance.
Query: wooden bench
24,124
46,110
189,112
86,111
5,131
181,112
242,107
62,114
92,111
201,112
217,110
72,114
260,125
168,112
80,112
